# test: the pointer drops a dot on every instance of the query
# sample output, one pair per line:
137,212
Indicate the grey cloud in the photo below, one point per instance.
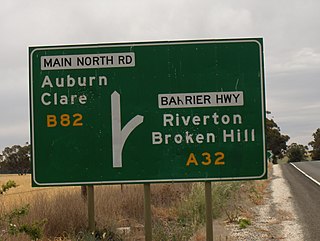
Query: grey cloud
289,28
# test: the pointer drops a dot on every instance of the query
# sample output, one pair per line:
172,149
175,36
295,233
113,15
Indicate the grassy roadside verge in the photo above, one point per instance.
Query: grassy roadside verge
178,209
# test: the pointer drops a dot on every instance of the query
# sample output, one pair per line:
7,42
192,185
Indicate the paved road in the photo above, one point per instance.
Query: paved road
312,169
306,195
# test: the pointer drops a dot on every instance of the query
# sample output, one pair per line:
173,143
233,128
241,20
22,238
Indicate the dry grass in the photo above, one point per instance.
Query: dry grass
56,204
66,211
177,209
24,193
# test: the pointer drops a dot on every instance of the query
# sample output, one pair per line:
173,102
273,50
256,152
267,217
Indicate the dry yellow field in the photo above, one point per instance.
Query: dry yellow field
115,206
64,208
24,192
24,184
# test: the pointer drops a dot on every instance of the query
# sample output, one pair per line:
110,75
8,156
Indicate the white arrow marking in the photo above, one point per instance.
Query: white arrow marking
119,136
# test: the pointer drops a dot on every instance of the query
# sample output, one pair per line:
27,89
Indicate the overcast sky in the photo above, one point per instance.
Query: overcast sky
290,29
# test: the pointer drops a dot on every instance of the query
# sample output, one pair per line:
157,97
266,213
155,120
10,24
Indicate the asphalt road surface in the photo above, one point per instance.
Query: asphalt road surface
305,188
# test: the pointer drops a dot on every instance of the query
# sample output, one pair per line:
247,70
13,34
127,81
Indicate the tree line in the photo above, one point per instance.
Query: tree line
17,159
277,143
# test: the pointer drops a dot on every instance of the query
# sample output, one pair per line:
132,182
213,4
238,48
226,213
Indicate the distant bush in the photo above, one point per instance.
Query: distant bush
5,187
296,153
13,224
244,223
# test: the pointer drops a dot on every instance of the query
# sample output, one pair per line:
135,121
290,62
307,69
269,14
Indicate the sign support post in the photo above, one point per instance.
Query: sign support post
91,214
147,212
209,226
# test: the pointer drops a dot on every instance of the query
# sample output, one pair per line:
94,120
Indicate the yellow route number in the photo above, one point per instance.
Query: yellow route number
206,159
64,120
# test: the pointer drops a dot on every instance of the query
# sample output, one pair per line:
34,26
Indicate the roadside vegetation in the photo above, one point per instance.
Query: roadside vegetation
276,141
295,152
178,210
315,144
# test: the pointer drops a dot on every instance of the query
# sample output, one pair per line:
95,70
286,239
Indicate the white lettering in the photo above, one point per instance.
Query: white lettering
178,138
215,119
56,99
167,119
228,135
46,81
156,138
199,138
70,81
43,101
225,119
196,120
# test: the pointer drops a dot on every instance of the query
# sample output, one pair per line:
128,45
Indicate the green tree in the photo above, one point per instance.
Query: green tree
5,187
276,142
315,145
15,159
296,152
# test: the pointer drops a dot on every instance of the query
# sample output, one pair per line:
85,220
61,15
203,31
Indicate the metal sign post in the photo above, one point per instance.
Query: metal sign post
209,225
147,212
91,211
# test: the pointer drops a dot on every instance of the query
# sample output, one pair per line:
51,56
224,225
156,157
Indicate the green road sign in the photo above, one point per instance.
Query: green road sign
148,112
269,154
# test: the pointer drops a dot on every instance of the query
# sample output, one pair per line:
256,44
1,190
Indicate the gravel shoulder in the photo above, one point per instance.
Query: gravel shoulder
276,219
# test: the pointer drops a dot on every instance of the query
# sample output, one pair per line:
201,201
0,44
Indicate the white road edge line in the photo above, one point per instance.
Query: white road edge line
311,178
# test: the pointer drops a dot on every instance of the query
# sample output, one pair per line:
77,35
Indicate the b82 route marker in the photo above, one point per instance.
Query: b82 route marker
147,112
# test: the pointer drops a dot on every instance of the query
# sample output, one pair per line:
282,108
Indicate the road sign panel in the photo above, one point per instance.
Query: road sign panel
148,112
